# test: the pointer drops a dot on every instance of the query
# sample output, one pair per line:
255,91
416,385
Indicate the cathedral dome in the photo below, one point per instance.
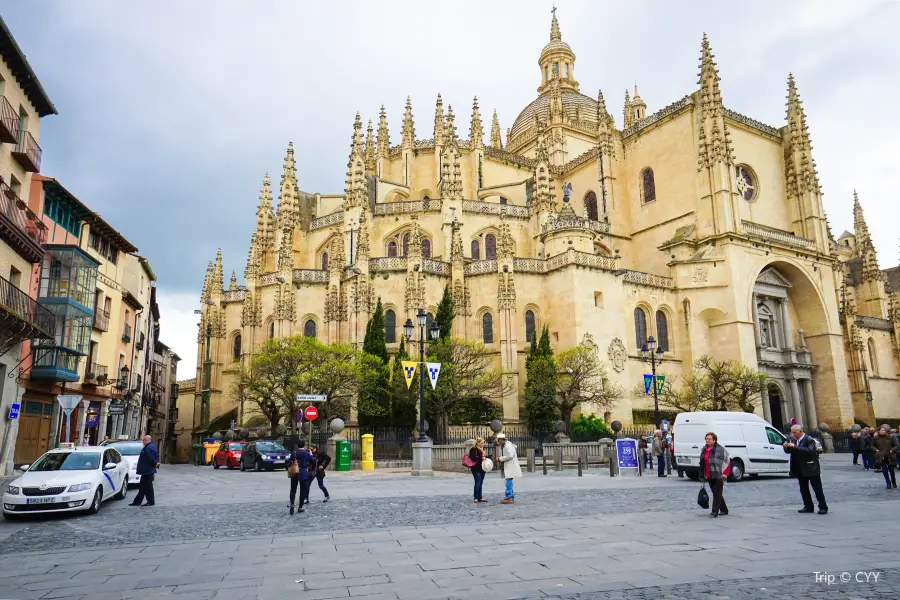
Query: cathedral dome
572,102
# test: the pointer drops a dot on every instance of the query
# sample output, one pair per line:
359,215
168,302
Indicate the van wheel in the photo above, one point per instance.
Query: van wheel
737,470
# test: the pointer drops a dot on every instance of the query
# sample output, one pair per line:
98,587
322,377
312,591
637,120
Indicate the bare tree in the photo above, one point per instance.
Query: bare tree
582,378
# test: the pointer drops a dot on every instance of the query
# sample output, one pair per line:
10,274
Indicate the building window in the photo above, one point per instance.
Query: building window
113,255
567,70
426,248
405,244
490,246
746,182
873,357
476,250
94,242
546,73
503,200
390,327
392,249
529,327
640,327
271,330
309,329
648,186
236,348
324,261
590,206
662,330
487,328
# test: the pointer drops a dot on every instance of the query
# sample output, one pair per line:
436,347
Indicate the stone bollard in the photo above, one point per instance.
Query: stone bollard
530,458
544,459
827,438
579,465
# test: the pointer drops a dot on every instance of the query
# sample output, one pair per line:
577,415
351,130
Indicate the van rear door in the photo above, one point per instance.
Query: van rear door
689,443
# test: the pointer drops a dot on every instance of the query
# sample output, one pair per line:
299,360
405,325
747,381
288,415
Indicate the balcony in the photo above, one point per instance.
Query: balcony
19,227
27,152
174,391
96,374
9,122
140,343
55,364
126,334
101,320
22,318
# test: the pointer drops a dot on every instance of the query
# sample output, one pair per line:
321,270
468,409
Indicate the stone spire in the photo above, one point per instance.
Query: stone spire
451,170
710,96
408,133
476,130
801,170
865,249
252,269
384,135
496,140
356,189
626,111
218,283
289,200
714,139
638,107
371,165
543,193
232,285
555,33
207,283
286,251
604,127
265,217
439,121
362,244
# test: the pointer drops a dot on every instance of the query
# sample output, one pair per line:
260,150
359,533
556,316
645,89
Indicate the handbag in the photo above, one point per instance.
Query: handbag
703,497
293,469
467,461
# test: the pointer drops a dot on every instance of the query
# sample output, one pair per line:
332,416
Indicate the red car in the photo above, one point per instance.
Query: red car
228,455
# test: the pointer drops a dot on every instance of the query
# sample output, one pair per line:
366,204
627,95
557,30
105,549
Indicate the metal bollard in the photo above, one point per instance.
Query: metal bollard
530,464
579,466
544,457
559,459
586,459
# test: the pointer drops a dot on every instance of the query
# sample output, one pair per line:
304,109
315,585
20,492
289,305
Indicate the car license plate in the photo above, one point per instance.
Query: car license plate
684,461
46,500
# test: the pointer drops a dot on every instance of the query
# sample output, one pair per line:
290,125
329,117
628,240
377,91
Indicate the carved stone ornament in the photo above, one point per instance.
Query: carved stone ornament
617,355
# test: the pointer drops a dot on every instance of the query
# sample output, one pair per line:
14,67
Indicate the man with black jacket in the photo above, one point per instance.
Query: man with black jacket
805,467
322,462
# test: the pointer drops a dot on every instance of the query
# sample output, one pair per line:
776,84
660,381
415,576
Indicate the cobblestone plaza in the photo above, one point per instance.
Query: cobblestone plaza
226,534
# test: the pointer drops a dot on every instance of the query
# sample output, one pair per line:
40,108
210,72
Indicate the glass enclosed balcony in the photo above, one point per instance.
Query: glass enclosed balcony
68,275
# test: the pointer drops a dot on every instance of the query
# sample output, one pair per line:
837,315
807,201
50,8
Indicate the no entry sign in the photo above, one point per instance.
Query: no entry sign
311,413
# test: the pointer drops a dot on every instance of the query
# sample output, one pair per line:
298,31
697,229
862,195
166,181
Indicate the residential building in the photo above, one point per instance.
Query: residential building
694,225
183,429
23,102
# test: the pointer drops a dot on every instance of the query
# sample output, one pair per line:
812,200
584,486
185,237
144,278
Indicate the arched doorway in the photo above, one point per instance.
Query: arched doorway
775,403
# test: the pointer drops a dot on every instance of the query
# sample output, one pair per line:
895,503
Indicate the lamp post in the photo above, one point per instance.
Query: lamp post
422,320
652,352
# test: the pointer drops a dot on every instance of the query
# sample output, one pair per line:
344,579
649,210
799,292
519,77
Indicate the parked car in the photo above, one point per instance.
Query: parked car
228,455
68,480
263,454
130,451
753,444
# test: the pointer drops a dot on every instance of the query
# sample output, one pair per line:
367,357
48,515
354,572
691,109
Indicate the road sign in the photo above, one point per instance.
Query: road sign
311,398
14,411
68,403
648,381
311,413
116,408
299,415
626,451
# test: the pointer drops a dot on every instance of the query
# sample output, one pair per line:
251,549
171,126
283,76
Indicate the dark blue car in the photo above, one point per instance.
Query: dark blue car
264,455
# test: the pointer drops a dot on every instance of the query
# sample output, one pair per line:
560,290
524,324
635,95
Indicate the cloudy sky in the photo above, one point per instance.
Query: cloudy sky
171,112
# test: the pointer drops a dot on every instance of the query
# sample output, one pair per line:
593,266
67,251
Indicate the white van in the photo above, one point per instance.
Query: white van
753,445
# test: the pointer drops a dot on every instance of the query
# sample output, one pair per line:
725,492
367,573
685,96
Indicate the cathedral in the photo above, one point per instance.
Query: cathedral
691,224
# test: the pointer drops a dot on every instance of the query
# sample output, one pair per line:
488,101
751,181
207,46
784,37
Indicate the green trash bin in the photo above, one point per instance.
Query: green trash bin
196,454
342,449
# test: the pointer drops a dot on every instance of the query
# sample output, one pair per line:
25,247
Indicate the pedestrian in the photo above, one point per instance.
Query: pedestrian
477,456
322,462
679,469
854,447
509,467
643,451
714,468
670,453
805,467
865,447
148,463
105,440
886,456
299,460
659,448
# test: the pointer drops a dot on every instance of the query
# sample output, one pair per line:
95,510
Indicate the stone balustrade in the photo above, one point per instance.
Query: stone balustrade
778,236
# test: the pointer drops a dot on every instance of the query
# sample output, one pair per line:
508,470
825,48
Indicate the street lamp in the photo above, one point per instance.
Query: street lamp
654,353
422,320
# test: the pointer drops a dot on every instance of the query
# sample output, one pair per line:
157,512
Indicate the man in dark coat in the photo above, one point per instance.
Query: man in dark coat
805,467
148,463
865,447
303,458
322,462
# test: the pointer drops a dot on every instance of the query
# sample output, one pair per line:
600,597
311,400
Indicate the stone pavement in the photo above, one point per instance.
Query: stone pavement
392,536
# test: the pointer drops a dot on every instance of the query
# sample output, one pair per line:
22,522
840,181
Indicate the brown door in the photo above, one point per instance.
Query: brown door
34,431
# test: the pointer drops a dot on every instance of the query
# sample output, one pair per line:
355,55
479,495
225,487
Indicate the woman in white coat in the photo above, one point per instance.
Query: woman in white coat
509,466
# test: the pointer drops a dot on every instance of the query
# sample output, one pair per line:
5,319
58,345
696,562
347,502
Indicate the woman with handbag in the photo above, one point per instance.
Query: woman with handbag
474,460
714,468
298,472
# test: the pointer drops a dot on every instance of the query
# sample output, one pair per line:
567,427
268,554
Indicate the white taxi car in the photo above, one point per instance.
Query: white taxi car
68,480
130,451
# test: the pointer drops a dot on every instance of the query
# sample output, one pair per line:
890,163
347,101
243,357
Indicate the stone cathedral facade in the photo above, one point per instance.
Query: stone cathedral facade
693,224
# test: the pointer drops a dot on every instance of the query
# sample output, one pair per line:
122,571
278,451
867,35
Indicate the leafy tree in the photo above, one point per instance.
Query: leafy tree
258,390
446,312
713,385
474,410
582,378
589,428
403,399
374,406
540,409
748,386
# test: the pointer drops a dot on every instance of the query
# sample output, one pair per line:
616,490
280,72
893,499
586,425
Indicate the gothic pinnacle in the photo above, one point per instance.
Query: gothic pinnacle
711,97
233,284
408,132
555,34
217,281
371,167
450,125
384,134
496,139
476,130
439,121
627,110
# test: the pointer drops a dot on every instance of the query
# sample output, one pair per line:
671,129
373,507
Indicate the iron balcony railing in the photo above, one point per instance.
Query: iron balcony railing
101,320
96,373
24,308
19,227
126,333
9,122
27,152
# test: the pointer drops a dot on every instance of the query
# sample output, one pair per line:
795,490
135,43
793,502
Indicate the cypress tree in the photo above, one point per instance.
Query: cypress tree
374,343
541,410
375,396
446,312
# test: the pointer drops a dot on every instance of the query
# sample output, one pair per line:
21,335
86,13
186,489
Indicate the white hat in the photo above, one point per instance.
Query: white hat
501,436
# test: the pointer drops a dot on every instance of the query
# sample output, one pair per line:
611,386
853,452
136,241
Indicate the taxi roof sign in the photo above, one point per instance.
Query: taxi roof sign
66,445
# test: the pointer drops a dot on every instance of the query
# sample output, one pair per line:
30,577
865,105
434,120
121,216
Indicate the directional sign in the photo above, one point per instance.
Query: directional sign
311,398
648,381
14,411
311,413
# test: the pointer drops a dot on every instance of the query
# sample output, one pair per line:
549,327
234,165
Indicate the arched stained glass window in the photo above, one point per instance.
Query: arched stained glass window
662,331
487,328
236,348
640,327
476,250
529,327
648,186
309,329
590,206
490,246
426,248
392,249
272,330
324,261
390,327
405,244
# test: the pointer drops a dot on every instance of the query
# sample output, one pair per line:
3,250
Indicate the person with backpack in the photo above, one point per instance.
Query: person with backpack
474,461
